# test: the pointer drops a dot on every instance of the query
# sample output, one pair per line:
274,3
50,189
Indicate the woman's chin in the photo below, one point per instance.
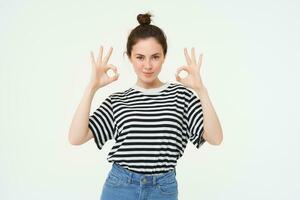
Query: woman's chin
148,80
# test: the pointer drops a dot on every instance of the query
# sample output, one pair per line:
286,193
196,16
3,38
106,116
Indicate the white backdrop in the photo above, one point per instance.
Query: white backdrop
250,68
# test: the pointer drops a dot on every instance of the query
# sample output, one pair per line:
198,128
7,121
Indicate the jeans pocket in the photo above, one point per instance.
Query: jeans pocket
168,188
113,179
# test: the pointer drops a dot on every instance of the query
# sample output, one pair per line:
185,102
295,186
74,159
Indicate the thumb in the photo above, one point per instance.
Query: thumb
178,78
115,77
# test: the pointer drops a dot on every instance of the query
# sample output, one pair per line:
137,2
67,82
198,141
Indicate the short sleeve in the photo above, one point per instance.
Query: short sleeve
195,121
101,123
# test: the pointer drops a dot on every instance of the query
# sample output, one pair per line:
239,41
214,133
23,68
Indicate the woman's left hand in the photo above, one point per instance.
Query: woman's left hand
193,79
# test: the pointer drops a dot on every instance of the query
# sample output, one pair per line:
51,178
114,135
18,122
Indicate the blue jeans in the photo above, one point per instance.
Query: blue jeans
124,184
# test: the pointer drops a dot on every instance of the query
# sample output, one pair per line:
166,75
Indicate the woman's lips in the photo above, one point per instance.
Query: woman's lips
148,74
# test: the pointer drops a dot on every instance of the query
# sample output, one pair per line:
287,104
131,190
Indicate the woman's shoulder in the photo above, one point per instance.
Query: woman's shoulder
180,87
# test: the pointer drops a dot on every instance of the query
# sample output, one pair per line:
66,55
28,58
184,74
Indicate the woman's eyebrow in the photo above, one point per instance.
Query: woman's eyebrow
143,55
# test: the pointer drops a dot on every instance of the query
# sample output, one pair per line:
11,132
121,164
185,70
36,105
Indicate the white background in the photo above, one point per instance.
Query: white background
250,68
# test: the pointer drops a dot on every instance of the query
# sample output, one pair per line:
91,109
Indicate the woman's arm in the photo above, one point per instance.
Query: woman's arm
79,130
212,127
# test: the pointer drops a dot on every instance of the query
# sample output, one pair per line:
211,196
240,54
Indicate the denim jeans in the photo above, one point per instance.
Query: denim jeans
124,184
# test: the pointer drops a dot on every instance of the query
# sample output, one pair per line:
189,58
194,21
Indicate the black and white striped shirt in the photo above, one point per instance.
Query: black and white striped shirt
151,127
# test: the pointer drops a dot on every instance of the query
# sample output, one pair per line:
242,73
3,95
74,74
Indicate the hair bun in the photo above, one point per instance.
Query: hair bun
144,19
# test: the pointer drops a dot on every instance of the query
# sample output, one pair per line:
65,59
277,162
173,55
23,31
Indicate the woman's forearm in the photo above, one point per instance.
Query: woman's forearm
79,125
212,127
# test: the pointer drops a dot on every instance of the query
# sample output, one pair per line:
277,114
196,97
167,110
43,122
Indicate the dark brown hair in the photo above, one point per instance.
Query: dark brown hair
144,31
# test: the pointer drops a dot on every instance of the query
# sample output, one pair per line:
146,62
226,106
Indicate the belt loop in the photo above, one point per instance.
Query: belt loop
129,177
154,180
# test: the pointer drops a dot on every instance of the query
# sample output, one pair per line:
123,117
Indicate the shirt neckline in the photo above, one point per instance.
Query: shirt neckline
156,90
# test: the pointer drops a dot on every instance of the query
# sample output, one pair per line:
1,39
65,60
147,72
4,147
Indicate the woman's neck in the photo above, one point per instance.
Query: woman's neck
155,84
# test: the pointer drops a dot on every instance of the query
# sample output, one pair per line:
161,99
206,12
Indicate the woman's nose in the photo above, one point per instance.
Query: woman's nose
148,64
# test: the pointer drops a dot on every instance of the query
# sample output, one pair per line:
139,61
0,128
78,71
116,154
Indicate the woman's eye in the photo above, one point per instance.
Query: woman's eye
141,58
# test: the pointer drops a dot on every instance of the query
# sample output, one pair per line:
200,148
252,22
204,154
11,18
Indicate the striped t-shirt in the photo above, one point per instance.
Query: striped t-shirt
151,127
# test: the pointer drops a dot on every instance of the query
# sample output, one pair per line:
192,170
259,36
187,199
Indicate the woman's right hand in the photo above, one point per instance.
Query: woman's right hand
99,77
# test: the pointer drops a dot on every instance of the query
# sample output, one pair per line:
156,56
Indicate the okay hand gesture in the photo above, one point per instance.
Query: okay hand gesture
99,77
193,79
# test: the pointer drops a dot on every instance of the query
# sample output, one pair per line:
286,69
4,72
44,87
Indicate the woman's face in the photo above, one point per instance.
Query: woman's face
147,58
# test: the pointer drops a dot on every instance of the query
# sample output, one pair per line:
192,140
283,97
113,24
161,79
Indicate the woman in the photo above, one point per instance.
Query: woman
151,122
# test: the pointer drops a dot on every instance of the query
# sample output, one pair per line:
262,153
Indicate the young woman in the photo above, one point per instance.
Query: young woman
151,122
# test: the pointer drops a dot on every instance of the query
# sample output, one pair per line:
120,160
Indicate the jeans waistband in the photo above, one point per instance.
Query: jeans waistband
140,178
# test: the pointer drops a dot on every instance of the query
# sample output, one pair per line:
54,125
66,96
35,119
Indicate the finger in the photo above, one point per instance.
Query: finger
112,67
115,77
107,56
92,59
193,56
178,78
100,55
187,57
200,60
182,68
